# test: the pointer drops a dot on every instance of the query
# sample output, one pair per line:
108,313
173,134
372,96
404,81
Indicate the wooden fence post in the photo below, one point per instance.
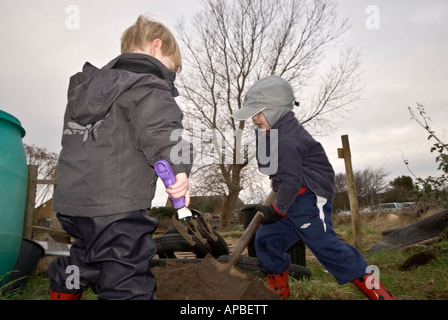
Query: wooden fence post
354,209
55,230
30,202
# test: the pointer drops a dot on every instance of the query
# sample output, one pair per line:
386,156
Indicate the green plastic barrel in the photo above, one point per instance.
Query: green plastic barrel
13,185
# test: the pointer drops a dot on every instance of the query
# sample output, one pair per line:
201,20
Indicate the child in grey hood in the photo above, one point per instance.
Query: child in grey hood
118,123
303,179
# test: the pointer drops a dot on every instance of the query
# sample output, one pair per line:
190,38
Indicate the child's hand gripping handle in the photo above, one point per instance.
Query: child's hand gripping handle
164,171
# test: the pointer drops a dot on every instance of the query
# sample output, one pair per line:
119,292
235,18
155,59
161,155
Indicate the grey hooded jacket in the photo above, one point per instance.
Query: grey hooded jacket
119,121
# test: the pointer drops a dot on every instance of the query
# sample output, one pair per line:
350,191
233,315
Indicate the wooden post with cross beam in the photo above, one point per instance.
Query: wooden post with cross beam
344,153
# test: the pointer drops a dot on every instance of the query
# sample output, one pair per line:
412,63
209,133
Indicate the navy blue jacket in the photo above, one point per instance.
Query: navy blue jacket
301,162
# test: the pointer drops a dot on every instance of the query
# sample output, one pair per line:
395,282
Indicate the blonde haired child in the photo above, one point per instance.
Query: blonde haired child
117,125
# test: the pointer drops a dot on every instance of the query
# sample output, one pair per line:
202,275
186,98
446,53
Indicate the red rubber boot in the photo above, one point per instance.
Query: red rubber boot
278,283
64,296
373,289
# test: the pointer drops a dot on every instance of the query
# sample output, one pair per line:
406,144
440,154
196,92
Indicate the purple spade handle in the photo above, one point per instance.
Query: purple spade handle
164,171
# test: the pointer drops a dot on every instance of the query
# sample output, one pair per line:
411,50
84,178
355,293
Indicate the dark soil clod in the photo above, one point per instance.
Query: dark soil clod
207,281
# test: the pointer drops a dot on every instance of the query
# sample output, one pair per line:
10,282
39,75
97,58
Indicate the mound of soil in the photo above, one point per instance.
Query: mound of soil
418,259
207,280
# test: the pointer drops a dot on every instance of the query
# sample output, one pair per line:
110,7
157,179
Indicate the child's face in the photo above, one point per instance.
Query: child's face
260,121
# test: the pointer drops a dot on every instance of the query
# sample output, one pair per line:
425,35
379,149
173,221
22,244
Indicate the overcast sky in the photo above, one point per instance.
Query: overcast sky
403,46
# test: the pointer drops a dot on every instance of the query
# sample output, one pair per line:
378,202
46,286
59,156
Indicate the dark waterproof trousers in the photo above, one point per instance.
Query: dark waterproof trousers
110,254
308,219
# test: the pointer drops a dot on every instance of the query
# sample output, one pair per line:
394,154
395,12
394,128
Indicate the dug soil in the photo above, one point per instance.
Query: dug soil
207,280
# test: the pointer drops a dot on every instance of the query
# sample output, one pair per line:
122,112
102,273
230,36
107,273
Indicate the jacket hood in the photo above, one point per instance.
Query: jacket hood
92,92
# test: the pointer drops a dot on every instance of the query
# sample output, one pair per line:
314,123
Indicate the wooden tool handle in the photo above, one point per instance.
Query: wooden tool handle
249,233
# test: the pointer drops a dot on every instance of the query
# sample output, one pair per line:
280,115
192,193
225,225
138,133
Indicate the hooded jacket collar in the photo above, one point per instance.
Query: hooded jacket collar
144,64
287,117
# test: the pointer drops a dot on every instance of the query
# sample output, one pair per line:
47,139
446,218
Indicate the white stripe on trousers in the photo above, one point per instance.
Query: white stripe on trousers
320,205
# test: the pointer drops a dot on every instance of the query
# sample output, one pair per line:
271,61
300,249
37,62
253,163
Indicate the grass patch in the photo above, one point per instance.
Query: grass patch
424,282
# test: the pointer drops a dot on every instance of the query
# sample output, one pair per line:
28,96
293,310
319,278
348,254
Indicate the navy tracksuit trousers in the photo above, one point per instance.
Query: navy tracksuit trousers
308,219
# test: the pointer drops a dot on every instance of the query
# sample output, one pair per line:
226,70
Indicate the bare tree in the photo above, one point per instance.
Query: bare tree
370,183
47,165
231,44
341,201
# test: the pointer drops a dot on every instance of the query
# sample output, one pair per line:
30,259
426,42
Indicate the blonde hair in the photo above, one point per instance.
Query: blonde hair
145,31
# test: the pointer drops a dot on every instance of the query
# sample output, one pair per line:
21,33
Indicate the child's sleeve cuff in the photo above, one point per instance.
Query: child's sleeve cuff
279,208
